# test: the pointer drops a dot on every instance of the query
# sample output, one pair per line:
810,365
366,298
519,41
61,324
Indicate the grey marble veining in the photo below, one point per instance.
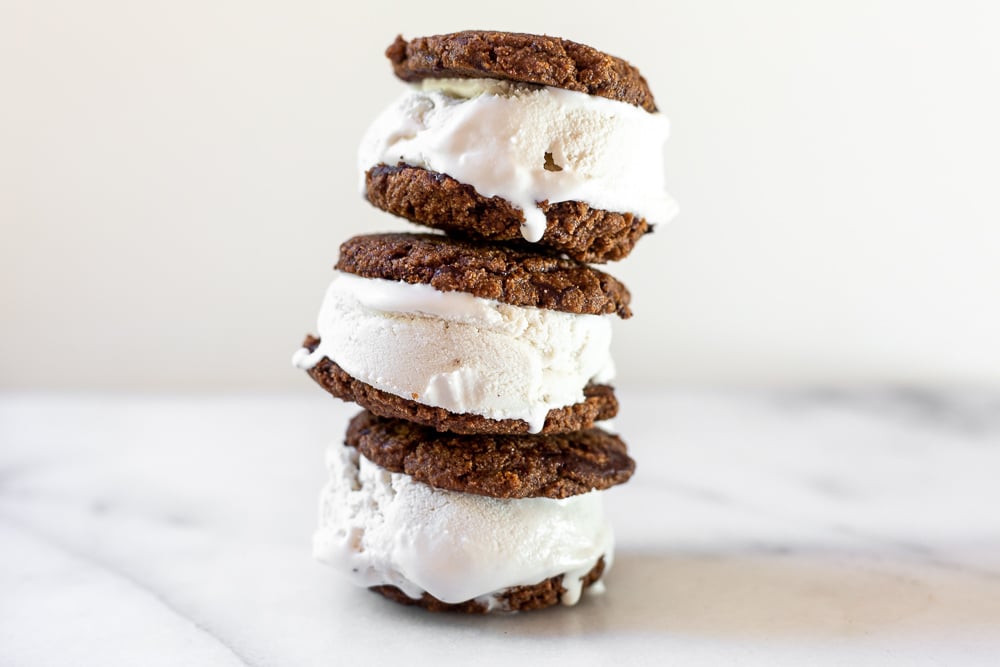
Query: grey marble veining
761,528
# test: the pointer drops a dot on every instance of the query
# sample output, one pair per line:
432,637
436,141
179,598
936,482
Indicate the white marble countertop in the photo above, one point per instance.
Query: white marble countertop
799,528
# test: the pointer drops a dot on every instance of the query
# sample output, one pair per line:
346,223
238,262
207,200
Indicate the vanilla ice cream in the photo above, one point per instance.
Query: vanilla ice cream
384,528
528,144
460,352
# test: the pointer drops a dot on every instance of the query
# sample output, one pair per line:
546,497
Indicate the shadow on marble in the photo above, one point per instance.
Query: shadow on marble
764,596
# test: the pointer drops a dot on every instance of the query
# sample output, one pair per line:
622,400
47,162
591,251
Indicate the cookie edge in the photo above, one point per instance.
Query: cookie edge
532,597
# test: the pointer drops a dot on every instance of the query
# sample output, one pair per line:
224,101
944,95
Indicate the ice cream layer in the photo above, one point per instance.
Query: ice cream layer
385,528
528,144
459,352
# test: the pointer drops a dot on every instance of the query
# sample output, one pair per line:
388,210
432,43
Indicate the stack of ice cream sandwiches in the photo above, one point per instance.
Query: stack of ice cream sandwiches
473,479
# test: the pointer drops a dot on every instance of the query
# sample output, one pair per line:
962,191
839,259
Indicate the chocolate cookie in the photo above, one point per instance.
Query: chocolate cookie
499,466
504,273
599,404
437,200
538,59
517,598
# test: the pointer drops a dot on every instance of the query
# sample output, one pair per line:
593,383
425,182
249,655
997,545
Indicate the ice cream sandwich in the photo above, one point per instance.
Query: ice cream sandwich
507,136
469,523
467,337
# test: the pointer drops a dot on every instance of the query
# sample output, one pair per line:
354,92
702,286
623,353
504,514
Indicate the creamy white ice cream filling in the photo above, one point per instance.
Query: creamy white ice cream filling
495,135
384,528
460,352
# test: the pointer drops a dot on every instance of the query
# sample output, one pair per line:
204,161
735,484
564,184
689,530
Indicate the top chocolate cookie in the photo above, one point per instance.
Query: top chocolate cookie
500,466
500,272
537,59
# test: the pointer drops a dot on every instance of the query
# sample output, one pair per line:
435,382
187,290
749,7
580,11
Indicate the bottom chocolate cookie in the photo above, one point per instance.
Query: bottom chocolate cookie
517,598
599,404
437,200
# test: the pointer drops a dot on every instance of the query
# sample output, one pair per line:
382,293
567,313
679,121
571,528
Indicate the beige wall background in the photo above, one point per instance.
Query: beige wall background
175,178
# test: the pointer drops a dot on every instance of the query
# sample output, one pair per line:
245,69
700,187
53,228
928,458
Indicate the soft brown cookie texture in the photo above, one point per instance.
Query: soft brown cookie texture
500,272
599,404
499,466
517,598
437,200
538,59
